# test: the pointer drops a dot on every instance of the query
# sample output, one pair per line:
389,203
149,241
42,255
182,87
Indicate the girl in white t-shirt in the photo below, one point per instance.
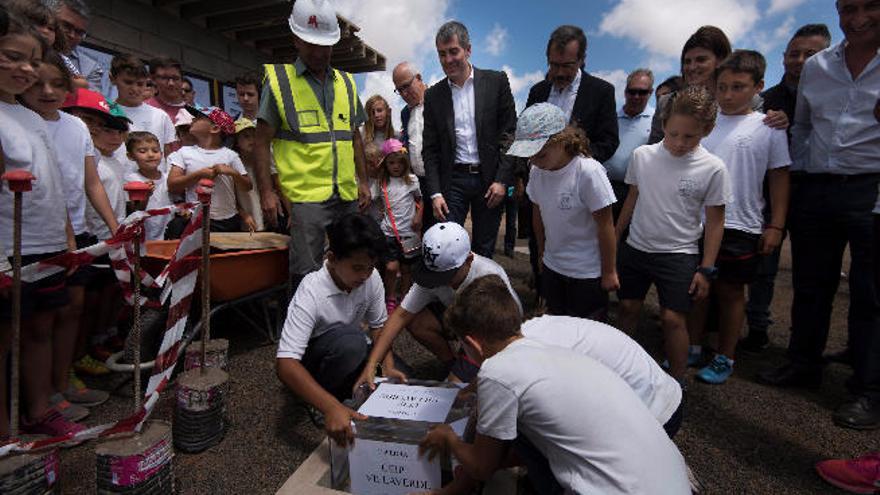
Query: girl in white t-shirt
76,162
572,217
401,200
26,145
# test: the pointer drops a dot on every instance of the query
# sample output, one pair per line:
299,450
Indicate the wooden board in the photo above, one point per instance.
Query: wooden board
230,241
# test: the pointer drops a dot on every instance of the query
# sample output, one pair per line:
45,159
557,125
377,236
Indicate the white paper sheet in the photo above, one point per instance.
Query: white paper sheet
409,402
382,468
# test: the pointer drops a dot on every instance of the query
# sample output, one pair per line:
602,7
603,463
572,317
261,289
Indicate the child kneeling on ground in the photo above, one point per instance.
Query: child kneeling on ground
323,346
601,439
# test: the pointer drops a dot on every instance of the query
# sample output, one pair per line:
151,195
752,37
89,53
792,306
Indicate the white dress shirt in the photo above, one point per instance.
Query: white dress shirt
465,124
835,131
414,130
565,97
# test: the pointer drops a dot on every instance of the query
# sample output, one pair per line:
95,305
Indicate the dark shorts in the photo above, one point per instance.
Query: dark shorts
84,274
672,273
231,224
43,295
578,297
738,258
394,252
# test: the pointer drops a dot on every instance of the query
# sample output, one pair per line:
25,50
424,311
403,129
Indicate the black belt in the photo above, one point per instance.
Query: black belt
804,178
471,168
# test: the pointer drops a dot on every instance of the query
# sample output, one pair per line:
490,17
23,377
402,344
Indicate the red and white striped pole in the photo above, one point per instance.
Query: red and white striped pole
19,182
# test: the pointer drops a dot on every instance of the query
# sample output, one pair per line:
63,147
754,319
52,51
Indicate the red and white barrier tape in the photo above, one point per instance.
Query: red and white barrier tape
179,280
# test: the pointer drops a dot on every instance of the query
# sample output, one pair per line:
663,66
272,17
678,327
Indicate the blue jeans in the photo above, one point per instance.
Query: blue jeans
336,357
761,293
829,213
466,192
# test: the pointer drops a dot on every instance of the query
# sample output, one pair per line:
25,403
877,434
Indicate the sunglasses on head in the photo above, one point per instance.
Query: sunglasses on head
638,92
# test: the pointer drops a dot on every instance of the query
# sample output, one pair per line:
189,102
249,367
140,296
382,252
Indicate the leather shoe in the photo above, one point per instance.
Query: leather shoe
789,375
860,414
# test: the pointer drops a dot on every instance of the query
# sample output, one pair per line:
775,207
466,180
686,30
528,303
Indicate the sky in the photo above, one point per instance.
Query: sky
622,34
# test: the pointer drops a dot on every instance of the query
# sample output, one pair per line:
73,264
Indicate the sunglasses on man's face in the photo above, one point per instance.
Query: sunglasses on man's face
638,92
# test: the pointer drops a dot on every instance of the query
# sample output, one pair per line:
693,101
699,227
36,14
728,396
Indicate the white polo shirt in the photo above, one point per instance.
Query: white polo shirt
320,304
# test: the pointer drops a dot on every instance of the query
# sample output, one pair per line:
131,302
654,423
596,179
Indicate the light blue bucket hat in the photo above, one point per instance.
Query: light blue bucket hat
534,127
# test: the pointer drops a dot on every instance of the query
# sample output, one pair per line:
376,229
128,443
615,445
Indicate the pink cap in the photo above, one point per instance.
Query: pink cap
137,191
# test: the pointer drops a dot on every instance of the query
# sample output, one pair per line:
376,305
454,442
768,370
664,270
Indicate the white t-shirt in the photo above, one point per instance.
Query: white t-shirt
749,149
194,158
73,144
155,226
613,348
673,193
320,304
419,297
593,429
402,197
26,144
568,197
111,170
151,119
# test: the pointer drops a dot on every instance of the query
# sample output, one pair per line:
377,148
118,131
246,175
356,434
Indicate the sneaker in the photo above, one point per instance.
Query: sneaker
756,341
78,393
859,475
694,359
90,366
52,424
717,371
71,412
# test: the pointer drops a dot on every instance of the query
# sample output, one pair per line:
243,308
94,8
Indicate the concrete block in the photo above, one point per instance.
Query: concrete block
180,31
113,32
214,44
244,56
199,61
137,15
100,7
156,46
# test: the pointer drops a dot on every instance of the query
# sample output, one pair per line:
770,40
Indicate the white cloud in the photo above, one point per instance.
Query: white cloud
402,31
663,27
520,85
766,42
496,40
777,6
617,78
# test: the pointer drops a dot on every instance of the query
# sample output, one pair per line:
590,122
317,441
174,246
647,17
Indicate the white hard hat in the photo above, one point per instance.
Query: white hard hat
314,21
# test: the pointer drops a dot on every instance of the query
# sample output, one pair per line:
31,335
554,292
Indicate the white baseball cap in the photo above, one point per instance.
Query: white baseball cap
445,248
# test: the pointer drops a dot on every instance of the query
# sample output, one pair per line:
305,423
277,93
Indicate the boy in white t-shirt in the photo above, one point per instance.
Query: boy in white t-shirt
144,149
447,266
751,151
571,217
672,184
323,344
602,439
211,160
129,74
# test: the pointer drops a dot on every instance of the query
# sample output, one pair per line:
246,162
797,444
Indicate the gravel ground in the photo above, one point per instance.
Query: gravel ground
740,437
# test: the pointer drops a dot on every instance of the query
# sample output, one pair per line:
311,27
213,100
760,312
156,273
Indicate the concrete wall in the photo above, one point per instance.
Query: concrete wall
135,26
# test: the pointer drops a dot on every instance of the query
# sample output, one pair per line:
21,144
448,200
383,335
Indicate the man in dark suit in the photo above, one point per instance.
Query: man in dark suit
470,120
587,101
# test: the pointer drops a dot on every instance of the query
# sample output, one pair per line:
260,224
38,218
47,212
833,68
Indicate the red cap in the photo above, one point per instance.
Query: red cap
222,120
19,180
206,187
137,191
89,100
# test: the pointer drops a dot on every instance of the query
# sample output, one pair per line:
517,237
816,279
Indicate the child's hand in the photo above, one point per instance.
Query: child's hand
699,287
249,222
338,425
770,240
224,169
368,377
436,441
394,374
208,173
610,282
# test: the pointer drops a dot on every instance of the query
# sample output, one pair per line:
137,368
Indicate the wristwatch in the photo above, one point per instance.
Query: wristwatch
710,272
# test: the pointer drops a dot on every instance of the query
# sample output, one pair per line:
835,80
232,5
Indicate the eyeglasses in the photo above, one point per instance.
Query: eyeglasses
402,88
638,92
168,78
71,29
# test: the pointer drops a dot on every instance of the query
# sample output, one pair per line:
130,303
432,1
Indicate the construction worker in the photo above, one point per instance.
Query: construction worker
309,115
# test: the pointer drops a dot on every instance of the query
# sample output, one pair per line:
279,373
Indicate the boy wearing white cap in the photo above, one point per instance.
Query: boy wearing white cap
572,217
446,268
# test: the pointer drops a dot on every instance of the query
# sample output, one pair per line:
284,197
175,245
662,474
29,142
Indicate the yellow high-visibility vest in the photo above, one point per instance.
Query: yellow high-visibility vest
314,155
